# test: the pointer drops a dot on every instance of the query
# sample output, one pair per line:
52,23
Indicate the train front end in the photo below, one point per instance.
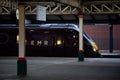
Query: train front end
90,47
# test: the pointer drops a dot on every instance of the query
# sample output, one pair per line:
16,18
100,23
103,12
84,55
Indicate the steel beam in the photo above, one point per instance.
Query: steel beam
64,6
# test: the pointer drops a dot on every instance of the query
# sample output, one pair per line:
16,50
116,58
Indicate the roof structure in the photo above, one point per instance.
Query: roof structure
64,11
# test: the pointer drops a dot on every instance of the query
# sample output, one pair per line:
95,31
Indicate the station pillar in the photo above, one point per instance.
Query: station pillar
21,63
81,50
111,39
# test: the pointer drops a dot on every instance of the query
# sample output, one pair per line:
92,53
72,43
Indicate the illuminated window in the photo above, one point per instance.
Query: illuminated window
59,42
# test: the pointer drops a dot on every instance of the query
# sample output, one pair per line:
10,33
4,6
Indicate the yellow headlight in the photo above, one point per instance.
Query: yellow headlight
95,47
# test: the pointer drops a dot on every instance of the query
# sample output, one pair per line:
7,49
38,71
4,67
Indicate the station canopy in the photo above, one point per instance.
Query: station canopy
64,11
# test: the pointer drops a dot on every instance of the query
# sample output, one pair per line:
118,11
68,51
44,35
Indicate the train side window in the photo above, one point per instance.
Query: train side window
4,38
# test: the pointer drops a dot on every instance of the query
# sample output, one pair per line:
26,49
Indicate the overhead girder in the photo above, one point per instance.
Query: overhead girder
30,7
102,8
64,6
5,3
55,8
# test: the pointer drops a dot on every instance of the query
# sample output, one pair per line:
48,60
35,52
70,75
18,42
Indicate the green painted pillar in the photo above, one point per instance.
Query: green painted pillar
21,63
111,39
81,55
21,67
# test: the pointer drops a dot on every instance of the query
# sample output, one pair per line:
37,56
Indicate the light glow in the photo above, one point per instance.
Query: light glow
59,42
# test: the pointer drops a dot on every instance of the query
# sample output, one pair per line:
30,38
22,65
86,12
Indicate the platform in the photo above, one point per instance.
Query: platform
56,68
110,55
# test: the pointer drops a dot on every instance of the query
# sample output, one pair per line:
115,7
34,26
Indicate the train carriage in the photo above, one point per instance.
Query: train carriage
46,40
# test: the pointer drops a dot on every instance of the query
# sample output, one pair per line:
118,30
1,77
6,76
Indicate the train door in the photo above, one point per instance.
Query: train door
71,43
58,45
47,44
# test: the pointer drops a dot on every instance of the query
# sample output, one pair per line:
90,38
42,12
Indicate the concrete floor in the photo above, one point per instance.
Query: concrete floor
56,68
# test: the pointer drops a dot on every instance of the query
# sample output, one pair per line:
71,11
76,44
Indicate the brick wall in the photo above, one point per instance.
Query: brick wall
101,34
116,37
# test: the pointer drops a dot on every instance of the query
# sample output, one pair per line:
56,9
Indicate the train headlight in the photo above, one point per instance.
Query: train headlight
95,47
59,42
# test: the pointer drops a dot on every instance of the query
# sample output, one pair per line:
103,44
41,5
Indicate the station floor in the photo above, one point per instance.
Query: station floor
60,68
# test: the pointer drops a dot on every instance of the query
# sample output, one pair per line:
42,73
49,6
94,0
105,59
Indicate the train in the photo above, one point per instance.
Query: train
60,40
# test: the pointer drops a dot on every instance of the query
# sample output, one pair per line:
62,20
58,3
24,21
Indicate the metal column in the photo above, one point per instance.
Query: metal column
21,63
111,39
81,51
